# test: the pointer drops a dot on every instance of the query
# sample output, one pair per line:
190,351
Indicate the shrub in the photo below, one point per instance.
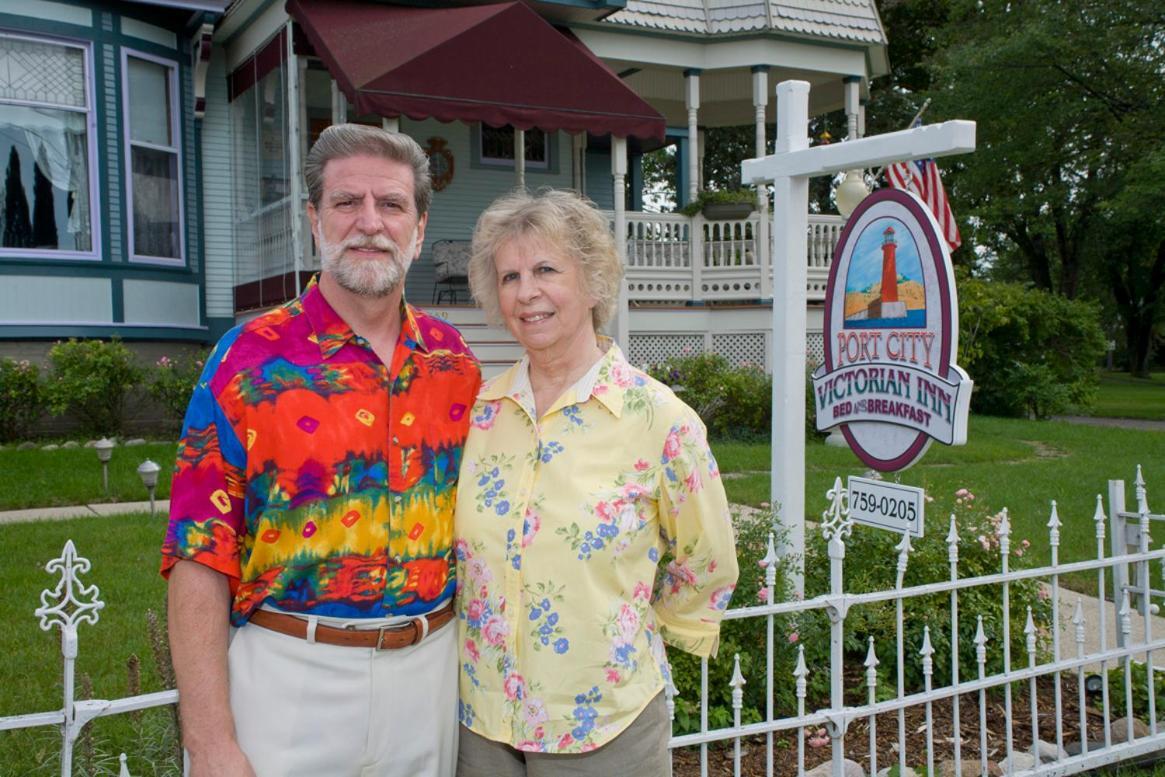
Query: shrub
979,554
92,379
22,398
733,402
171,384
745,637
1029,352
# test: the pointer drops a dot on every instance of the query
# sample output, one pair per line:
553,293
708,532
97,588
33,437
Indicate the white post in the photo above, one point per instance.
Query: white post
294,161
764,248
390,123
621,328
790,169
339,105
578,146
692,101
852,109
520,158
791,221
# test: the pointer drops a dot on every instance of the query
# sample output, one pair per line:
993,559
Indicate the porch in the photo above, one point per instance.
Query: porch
719,303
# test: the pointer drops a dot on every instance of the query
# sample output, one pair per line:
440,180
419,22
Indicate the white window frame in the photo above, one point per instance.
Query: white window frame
127,156
94,253
509,163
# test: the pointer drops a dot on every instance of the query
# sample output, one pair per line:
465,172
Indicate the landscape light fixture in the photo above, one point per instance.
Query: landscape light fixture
148,472
104,448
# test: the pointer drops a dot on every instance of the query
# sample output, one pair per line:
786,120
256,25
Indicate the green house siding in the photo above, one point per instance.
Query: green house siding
46,297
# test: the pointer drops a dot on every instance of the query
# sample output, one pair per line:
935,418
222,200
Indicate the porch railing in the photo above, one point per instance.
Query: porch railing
1132,565
732,263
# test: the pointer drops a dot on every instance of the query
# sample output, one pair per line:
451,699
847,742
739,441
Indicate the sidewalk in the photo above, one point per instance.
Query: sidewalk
82,511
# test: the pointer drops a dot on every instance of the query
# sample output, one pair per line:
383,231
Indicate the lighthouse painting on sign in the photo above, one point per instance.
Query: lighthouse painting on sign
884,287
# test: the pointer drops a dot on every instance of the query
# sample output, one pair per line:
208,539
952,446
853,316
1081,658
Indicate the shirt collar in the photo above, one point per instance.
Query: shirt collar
607,381
331,332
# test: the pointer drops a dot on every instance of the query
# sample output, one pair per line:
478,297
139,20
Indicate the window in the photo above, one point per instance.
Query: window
46,141
149,90
497,147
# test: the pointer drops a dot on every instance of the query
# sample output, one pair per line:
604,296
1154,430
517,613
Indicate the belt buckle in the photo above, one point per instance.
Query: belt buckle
419,634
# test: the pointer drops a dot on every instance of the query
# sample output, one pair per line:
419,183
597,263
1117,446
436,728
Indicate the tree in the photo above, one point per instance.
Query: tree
44,219
1071,122
17,226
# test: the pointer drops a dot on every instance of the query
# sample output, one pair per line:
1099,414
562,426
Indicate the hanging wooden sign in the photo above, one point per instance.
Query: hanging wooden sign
891,334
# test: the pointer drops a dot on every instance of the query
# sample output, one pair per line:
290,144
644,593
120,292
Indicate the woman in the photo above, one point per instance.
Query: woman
579,475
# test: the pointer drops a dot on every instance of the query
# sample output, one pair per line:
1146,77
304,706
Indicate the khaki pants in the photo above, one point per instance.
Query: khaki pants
639,751
309,710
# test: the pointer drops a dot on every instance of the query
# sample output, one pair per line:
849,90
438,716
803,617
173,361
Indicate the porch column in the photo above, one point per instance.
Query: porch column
390,123
339,105
578,148
692,100
621,326
760,101
294,161
862,117
520,158
852,92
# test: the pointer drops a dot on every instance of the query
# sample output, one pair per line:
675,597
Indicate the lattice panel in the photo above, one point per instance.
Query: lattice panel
38,72
652,349
815,349
741,349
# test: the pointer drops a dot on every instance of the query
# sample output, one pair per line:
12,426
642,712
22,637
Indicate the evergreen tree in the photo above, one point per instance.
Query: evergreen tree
17,226
44,217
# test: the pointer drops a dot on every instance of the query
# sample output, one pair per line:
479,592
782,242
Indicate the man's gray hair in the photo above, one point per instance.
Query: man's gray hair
341,141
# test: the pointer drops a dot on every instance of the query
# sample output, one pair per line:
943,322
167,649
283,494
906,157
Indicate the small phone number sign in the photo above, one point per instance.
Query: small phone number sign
890,506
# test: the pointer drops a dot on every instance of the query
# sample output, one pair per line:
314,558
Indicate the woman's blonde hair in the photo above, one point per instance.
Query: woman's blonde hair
560,219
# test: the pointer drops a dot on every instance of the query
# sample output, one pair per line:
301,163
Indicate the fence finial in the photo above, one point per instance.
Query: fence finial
770,562
1142,499
70,602
1029,631
1054,527
1099,517
124,771
1078,622
801,672
903,547
835,521
1125,613
737,683
953,542
980,643
1004,533
871,664
927,652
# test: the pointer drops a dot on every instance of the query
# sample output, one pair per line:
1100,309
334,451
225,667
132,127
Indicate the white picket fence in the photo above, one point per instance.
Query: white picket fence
1129,561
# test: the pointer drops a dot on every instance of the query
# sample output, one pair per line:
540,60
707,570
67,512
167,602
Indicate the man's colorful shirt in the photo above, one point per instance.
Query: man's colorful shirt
318,478
561,524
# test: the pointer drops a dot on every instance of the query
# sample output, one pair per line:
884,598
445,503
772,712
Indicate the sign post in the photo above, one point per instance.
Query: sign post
789,170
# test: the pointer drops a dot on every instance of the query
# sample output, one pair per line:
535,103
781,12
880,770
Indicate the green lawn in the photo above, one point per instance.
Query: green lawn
39,478
1013,463
1017,464
1123,396
124,556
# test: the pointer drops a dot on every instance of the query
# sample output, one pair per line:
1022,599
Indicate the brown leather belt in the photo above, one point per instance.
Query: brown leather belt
387,638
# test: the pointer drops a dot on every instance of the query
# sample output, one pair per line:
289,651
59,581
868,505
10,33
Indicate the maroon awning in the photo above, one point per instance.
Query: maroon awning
499,64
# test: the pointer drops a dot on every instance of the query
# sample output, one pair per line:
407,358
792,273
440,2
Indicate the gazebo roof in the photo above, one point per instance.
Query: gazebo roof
843,20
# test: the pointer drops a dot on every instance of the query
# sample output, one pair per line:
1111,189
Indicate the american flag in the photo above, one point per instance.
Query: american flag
921,176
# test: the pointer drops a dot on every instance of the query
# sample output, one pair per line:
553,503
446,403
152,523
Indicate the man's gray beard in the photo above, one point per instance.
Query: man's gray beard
364,277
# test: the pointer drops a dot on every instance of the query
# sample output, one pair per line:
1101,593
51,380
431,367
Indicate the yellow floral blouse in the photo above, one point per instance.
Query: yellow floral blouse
561,523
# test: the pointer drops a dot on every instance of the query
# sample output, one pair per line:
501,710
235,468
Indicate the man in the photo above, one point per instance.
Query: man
313,502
